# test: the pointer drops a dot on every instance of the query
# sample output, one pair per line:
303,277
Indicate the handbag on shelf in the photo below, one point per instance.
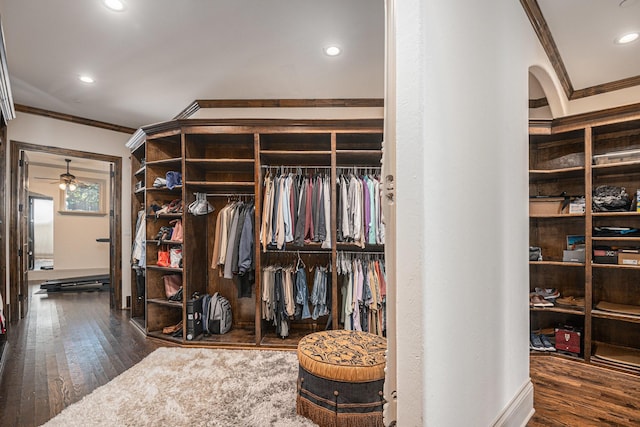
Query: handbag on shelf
178,231
172,284
163,257
175,257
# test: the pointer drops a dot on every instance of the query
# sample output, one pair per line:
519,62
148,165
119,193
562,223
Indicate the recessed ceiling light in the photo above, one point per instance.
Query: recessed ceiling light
332,50
86,79
116,5
627,38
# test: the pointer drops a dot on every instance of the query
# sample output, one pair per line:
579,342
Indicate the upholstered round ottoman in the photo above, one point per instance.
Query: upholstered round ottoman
341,378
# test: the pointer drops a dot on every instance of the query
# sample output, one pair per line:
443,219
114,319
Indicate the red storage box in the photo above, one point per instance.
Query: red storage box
568,340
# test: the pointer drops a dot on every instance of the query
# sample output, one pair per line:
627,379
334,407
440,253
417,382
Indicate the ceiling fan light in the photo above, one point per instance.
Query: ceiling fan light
72,187
62,185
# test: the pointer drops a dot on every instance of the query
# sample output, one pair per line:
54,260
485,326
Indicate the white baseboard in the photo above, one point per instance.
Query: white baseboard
518,412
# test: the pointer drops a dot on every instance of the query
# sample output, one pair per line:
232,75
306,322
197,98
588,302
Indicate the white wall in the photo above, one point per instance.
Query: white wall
462,220
41,130
74,244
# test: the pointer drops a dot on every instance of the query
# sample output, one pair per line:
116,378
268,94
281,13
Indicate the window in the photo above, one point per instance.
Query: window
86,199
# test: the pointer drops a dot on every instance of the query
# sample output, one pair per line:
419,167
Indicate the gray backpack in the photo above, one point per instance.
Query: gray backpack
217,311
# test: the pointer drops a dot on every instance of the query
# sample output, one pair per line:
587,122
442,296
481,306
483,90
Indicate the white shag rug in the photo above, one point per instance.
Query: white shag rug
195,387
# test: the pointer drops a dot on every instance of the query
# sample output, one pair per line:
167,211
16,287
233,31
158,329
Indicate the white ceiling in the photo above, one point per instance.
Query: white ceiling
584,32
158,56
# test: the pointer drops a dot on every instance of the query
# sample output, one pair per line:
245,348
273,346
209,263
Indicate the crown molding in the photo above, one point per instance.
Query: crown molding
278,103
73,119
539,102
532,9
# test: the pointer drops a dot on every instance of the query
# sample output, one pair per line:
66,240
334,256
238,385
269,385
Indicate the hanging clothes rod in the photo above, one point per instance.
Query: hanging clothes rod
226,194
361,252
291,252
296,167
350,168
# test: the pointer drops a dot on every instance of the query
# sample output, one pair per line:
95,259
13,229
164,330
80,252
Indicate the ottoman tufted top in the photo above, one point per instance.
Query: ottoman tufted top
340,355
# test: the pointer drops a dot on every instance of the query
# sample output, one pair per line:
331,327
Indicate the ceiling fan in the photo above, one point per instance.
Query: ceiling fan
67,180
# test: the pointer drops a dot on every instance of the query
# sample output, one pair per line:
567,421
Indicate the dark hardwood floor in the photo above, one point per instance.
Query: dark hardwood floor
68,345
573,393
71,343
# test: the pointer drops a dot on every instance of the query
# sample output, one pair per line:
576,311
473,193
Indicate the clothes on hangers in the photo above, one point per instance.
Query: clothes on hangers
234,241
359,214
363,293
138,251
296,210
285,295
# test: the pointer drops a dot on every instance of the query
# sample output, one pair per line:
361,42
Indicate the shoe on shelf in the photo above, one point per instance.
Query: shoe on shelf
535,343
546,343
537,301
548,293
571,301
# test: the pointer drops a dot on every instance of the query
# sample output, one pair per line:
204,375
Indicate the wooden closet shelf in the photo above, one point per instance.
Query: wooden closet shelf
165,302
617,168
568,216
625,358
164,189
616,239
604,314
558,263
165,216
243,337
168,269
616,214
165,337
376,152
289,152
615,266
165,242
140,171
218,161
573,172
557,309
165,162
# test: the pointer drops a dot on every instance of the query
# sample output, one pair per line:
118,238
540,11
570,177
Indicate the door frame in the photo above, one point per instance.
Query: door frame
115,218
31,197
3,227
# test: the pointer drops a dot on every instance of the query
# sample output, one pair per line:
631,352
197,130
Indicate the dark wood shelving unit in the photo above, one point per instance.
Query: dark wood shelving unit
562,160
223,159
